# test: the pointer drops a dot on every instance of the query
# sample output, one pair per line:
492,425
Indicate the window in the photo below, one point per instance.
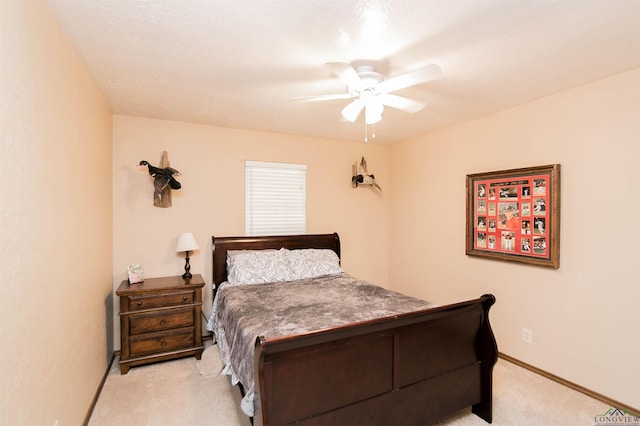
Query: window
275,198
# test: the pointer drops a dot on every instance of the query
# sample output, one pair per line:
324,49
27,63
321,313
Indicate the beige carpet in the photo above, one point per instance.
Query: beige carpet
192,392
183,392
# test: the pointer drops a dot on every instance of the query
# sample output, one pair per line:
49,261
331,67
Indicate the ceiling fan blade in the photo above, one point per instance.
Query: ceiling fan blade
423,75
346,73
320,98
401,103
352,111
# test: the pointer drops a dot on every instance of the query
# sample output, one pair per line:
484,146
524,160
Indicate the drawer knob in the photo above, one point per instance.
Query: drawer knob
139,304
184,298
163,343
163,322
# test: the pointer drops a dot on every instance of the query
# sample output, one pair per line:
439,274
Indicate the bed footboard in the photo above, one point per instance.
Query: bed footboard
410,369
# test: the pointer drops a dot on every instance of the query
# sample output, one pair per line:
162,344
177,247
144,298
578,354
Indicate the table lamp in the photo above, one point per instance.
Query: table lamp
186,243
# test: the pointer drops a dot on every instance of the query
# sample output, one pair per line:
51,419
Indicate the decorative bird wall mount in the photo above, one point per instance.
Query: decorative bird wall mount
164,180
362,177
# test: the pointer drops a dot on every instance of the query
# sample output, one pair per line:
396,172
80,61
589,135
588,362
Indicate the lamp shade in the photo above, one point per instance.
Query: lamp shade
186,242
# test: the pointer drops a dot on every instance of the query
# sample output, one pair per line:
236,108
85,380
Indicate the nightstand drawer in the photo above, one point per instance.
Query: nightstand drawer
164,341
141,302
160,320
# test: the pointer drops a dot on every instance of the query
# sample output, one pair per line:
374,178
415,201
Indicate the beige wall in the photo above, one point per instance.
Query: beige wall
55,223
211,201
584,316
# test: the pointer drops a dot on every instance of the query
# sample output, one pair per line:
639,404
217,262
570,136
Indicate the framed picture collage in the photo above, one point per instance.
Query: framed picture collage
513,215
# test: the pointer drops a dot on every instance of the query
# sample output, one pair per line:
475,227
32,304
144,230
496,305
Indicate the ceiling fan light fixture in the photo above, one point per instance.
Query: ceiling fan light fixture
373,112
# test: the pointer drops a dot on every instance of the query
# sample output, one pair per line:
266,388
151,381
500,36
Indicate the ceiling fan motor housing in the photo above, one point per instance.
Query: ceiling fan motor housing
368,77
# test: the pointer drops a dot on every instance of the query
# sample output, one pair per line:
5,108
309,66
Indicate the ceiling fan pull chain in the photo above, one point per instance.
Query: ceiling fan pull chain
366,131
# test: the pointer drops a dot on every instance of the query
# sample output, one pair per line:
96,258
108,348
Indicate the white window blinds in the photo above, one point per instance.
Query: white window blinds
275,198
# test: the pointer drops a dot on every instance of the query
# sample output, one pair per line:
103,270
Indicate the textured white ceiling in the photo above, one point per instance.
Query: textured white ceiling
237,63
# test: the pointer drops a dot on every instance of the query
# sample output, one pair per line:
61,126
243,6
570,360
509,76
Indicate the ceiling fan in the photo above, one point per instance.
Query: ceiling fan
372,92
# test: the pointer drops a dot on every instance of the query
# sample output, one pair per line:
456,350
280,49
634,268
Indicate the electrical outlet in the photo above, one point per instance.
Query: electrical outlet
527,335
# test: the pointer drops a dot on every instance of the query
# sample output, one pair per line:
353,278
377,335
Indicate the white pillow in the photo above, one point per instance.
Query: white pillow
310,263
257,266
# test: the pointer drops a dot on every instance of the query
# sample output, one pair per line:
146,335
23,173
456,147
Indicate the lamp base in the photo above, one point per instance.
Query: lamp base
187,274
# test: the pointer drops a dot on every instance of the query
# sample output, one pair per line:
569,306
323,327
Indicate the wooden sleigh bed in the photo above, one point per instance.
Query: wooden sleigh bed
410,369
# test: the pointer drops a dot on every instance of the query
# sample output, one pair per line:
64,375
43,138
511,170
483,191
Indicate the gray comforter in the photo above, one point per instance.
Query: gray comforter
241,313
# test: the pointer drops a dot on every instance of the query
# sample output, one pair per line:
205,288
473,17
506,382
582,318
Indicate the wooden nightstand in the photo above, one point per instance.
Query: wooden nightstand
160,320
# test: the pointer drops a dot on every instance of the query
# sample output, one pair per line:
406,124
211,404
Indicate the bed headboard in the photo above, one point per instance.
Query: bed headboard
222,244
